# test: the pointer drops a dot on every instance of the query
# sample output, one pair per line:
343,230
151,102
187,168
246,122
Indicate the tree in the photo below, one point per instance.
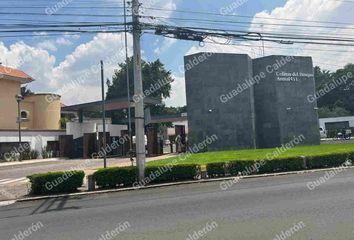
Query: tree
156,84
326,112
25,91
340,100
322,77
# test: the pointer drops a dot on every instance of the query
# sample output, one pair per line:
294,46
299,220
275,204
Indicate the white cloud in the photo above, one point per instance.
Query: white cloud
178,94
167,43
54,76
52,45
81,66
77,77
48,45
314,10
63,41
37,62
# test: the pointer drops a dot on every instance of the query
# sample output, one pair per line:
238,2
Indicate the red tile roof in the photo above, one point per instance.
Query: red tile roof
15,73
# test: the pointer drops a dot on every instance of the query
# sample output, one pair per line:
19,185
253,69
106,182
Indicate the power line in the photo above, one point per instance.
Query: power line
249,23
292,49
39,22
48,35
53,3
293,32
67,31
23,26
61,14
64,8
247,16
199,34
343,1
253,46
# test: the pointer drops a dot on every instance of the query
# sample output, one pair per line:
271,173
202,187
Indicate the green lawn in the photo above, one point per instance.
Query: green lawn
259,154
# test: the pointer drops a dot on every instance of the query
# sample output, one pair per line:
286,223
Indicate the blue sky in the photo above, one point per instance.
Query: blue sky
58,61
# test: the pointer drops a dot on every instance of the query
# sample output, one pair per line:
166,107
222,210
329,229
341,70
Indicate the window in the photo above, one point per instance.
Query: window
24,115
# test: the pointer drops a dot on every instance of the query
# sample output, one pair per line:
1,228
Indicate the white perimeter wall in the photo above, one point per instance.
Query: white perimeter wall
323,121
37,139
78,129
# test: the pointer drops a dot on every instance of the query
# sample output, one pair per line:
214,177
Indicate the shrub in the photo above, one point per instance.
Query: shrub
239,166
185,172
329,160
29,154
216,169
158,174
282,165
46,153
116,176
56,182
351,157
175,173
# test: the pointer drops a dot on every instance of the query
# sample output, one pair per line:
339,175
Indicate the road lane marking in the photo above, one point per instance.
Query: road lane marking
4,182
6,203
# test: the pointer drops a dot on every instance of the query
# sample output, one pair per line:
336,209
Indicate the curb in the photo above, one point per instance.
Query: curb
25,162
176,184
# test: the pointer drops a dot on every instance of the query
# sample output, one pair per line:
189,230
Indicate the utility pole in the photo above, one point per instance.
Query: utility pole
138,91
19,98
128,86
103,118
263,41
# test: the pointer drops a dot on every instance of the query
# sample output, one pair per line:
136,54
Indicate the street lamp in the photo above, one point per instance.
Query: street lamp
19,98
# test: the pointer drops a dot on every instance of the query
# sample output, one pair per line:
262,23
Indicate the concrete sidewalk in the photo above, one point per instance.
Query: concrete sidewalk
13,184
48,160
14,163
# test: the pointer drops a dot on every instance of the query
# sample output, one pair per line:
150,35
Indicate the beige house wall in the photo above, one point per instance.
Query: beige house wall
8,104
43,109
46,111
28,106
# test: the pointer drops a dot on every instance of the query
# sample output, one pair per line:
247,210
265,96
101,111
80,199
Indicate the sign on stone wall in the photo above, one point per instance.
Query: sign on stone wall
292,76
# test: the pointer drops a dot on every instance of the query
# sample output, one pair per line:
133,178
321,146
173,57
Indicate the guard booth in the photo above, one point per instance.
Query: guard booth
169,139
84,138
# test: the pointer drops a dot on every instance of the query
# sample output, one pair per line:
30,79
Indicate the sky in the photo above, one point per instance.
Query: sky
67,63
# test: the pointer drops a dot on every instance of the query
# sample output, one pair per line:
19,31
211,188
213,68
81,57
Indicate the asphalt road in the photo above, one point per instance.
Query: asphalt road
14,184
13,181
259,208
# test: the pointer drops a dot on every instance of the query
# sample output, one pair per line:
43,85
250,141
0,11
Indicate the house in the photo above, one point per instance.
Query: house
40,114
331,126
